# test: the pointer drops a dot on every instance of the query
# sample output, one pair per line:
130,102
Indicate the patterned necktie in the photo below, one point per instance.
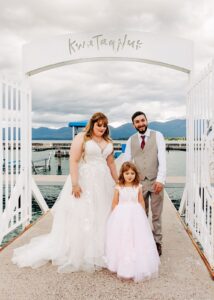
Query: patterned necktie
143,141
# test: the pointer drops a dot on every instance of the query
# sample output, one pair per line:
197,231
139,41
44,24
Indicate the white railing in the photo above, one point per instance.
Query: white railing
199,190
15,157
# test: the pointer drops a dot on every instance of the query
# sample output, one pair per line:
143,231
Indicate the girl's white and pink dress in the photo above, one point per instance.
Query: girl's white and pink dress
130,249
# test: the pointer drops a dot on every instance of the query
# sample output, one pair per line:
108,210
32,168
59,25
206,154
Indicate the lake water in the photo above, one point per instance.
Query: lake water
176,163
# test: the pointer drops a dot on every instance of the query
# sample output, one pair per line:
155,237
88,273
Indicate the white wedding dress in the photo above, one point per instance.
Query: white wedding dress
76,241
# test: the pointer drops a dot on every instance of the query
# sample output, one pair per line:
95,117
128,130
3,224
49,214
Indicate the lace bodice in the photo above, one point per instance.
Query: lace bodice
128,194
94,153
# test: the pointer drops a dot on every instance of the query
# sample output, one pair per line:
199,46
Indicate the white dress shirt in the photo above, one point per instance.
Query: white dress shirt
161,176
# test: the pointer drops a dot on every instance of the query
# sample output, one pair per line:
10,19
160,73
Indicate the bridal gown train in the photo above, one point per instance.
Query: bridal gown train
76,240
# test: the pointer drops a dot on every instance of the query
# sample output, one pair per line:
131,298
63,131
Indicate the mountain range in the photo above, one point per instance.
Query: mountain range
170,129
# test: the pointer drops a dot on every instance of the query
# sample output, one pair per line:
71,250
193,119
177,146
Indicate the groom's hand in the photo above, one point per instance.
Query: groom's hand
158,187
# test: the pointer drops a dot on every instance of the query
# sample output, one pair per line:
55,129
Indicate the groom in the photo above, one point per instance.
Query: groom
146,149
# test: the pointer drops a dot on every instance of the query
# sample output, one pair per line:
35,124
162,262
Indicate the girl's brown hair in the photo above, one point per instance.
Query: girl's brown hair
124,168
100,118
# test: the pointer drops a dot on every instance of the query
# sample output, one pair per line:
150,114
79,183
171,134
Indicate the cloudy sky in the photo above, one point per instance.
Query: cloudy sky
76,91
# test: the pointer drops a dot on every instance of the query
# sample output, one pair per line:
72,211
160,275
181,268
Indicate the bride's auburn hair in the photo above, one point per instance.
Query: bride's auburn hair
101,119
124,168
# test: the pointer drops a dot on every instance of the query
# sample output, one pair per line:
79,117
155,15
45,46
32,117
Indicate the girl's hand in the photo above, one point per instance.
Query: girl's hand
115,200
141,199
76,191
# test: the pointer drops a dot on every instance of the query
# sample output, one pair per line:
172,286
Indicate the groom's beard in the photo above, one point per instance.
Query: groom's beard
142,131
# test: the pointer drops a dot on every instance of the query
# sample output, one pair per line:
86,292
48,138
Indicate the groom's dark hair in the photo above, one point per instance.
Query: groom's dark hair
136,114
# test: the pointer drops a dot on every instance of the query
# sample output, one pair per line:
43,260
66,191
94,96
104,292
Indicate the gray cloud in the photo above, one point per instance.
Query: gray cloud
116,88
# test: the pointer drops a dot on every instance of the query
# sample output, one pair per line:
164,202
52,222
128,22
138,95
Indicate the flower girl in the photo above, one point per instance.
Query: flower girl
130,249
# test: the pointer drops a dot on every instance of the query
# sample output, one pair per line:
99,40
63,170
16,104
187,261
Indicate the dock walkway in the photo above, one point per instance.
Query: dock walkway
60,179
183,274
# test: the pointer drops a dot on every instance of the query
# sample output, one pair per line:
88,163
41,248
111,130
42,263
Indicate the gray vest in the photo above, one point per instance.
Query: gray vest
146,160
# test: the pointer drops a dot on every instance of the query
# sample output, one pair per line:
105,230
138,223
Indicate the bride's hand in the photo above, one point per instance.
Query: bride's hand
76,191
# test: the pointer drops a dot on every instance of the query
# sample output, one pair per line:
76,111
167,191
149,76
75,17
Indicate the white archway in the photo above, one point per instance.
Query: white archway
53,52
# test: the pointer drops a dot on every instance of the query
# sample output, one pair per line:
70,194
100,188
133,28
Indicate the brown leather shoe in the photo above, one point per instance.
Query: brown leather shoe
159,248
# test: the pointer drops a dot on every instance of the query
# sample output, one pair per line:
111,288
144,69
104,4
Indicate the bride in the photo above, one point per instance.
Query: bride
76,240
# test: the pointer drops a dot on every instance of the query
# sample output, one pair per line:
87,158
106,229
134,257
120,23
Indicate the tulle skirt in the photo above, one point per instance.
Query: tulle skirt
130,249
76,241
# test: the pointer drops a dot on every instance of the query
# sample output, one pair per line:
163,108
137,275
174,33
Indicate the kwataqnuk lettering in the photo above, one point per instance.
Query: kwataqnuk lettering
99,42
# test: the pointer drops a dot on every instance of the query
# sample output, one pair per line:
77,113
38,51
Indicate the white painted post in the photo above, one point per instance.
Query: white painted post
15,182
1,151
199,189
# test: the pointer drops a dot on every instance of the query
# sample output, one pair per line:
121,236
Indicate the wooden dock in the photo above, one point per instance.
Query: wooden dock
60,179
179,145
183,275
65,145
44,164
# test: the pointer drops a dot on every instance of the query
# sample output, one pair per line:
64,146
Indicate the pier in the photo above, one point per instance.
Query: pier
43,164
65,145
183,275
176,145
179,145
60,179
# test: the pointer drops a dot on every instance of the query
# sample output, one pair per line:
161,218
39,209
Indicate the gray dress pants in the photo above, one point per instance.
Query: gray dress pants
155,202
